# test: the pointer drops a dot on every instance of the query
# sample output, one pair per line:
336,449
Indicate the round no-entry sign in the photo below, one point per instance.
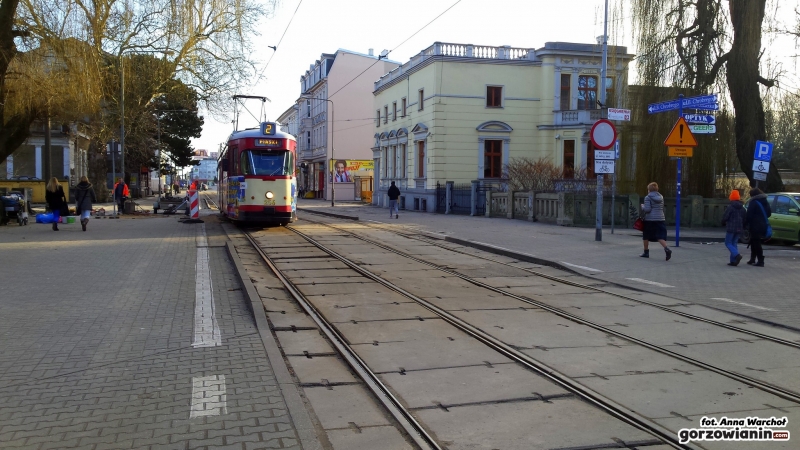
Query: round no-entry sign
603,134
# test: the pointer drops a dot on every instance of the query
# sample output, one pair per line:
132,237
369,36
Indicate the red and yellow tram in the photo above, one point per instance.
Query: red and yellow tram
257,176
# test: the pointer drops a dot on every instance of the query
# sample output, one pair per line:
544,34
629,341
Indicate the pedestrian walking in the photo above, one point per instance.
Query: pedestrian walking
84,198
394,194
756,221
121,193
733,219
56,200
655,224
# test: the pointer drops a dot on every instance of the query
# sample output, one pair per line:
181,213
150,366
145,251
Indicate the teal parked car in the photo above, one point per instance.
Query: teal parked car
785,219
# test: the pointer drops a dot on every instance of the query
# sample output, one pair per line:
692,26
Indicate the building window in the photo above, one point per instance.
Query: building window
308,142
587,92
492,159
404,107
385,114
393,158
421,159
308,107
565,91
494,96
384,154
421,99
569,159
378,118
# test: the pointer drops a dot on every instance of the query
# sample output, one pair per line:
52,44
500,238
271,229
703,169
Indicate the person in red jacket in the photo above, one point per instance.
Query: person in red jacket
121,193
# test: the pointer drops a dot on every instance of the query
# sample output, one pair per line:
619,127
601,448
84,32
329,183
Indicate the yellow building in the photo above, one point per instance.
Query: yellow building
459,112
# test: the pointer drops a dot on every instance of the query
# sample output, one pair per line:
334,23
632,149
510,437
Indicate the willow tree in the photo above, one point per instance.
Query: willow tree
703,46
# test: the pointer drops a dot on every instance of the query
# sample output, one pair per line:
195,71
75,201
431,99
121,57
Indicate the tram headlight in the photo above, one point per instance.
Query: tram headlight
269,194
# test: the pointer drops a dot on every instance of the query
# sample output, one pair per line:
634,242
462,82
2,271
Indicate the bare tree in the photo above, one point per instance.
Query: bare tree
207,44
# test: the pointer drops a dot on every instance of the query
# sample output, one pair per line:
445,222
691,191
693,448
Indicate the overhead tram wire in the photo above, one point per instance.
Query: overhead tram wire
396,46
278,45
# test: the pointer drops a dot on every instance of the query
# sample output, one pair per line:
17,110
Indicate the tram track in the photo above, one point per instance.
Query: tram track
779,391
380,390
210,204
549,277
404,417
602,401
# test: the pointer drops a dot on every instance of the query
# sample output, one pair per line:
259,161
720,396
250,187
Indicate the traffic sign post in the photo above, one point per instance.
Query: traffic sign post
614,184
603,136
681,142
761,160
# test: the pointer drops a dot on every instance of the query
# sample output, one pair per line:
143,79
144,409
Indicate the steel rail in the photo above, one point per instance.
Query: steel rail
593,288
784,393
609,406
392,404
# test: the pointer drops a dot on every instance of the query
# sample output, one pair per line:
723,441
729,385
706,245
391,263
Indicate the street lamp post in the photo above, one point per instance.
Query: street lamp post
333,121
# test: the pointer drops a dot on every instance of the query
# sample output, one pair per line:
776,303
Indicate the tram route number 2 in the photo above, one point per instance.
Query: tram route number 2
268,128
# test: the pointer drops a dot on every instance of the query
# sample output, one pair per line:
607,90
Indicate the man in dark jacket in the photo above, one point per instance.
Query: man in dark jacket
758,211
394,194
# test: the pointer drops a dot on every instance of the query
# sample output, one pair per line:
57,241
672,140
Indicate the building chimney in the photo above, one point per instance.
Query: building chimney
371,52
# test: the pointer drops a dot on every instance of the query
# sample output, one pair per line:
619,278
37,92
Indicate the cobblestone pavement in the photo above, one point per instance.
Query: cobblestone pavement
698,272
97,331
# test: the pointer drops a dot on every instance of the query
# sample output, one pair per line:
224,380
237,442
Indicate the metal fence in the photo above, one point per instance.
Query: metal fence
461,198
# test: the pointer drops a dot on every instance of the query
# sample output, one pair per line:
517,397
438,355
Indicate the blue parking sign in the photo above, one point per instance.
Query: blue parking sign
763,151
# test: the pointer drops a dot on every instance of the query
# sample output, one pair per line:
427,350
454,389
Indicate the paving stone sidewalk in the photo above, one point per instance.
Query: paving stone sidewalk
97,331
698,271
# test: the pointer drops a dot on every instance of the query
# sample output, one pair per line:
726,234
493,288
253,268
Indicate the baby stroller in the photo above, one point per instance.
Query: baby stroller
14,206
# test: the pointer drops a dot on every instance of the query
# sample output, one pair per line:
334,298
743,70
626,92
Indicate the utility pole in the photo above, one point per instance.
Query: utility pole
598,224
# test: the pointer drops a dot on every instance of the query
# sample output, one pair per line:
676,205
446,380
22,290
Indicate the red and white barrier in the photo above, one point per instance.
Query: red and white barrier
194,204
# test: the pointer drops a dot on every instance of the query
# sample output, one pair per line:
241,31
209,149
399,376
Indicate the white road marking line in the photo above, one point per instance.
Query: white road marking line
209,397
654,283
581,267
742,303
206,329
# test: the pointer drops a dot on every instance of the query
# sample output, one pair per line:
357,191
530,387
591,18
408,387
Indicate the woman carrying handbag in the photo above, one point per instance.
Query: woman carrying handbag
56,200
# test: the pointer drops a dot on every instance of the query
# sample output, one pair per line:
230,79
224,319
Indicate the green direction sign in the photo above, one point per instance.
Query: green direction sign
703,129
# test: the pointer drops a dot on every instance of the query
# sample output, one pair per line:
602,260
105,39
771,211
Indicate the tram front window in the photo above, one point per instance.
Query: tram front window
267,163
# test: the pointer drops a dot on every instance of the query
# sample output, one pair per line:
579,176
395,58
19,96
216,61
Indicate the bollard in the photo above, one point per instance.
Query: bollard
194,205
194,208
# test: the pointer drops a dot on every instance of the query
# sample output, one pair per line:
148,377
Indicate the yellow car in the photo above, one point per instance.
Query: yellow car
785,218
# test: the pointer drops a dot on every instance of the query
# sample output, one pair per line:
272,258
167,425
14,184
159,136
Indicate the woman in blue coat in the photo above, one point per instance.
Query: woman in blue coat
758,211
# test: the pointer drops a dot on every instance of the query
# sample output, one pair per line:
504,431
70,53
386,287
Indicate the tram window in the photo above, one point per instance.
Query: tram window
267,163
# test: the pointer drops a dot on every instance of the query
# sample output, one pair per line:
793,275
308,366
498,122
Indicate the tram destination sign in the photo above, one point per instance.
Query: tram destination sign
268,142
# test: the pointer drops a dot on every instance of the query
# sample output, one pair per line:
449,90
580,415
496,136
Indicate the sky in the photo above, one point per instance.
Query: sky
323,26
